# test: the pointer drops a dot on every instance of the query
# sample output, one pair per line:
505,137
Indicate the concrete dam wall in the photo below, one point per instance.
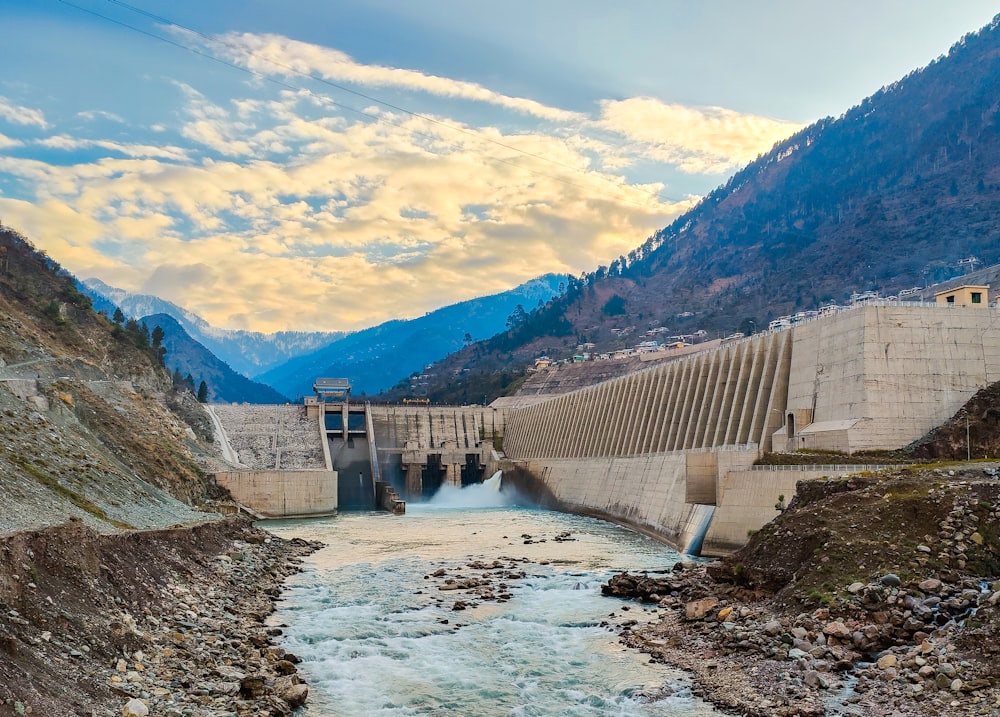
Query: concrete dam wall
657,448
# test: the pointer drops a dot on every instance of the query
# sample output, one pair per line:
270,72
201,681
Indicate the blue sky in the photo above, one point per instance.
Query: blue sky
326,164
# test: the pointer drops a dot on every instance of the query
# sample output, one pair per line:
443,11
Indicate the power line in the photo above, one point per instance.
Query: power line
342,106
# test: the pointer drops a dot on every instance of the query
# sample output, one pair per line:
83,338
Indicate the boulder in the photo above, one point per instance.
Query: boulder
887,661
135,708
838,630
698,609
930,585
296,695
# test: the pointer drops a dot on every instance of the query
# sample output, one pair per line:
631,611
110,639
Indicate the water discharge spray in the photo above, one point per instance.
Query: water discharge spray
479,495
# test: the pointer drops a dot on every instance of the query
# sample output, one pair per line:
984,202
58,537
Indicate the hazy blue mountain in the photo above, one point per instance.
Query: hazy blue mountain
379,357
248,352
186,355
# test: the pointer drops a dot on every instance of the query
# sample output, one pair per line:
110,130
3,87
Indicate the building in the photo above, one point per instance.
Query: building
965,295
332,390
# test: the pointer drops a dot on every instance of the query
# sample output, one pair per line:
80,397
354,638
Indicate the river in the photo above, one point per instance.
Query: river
378,638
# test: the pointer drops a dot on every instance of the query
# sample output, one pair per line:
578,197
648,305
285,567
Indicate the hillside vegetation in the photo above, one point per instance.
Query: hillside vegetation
893,194
91,424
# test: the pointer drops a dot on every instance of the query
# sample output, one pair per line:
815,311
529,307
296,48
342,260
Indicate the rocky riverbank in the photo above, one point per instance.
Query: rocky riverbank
162,622
876,596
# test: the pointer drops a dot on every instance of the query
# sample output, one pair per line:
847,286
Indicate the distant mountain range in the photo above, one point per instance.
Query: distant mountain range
377,358
248,352
901,191
288,361
186,355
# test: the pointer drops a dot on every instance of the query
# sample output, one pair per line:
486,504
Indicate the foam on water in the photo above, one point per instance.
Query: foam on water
479,495
374,641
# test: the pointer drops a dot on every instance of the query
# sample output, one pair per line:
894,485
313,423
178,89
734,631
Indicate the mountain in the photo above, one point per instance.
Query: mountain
376,358
187,356
248,352
901,191
92,427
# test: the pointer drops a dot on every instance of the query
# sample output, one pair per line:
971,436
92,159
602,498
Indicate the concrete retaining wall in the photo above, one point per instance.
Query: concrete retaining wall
283,494
643,491
746,501
898,371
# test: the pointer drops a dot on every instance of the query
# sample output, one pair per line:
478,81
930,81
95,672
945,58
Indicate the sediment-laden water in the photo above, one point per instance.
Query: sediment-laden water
377,637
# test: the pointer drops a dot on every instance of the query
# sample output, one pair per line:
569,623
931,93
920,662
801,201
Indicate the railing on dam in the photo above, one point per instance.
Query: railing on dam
832,468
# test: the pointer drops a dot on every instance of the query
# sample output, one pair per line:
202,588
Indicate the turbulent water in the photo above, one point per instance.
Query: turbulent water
377,638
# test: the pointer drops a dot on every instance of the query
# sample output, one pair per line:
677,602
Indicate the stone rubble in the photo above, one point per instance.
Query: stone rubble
886,646
199,648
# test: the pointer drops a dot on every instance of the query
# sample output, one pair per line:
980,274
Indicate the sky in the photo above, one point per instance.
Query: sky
332,164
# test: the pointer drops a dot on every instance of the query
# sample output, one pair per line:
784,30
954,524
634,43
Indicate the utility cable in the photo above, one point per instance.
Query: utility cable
342,106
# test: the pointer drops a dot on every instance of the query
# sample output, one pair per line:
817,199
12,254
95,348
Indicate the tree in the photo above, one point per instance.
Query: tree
748,326
517,317
157,337
202,392
118,317
467,339
615,306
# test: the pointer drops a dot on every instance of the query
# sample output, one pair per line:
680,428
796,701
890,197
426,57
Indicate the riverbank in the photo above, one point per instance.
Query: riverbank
164,622
872,596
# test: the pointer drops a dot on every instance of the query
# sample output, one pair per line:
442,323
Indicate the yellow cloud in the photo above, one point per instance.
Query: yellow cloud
284,214
706,140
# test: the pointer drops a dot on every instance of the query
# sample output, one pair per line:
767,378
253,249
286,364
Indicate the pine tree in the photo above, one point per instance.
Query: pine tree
202,392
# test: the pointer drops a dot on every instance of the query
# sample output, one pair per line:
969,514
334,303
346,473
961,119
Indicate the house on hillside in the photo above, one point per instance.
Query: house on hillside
965,295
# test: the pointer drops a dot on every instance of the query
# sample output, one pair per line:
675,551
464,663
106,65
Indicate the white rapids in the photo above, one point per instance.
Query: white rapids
378,639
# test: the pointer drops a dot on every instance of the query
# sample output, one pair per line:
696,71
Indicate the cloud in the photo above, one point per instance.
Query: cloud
6,141
363,222
270,54
275,210
129,150
100,114
707,140
16,114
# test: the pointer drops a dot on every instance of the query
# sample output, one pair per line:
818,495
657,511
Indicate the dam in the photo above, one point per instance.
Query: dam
670,449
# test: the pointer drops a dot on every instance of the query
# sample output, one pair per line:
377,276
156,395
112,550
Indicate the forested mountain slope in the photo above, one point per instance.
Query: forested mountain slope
893,194
185,356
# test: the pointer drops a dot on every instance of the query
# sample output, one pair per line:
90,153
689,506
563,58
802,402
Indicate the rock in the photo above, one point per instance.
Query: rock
891,580
285,667
772,628
923,548
855,588
930,585
887,661
296,695
230,673
838,630
947,669
976,538
135,708
698,609
251,687
725,613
